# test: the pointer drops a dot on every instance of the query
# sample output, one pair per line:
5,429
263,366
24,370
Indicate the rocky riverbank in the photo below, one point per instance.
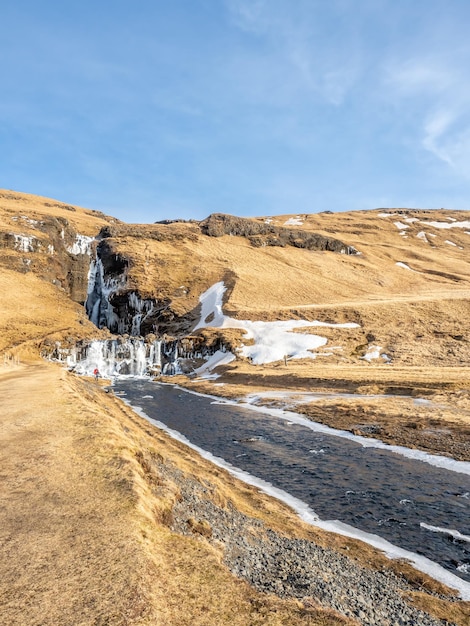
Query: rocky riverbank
294,568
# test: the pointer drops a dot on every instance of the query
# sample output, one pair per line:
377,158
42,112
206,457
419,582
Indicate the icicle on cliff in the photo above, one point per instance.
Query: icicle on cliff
117,357
131,356
114,304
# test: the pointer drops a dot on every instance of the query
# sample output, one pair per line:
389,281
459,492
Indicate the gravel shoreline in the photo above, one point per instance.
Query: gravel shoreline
293,568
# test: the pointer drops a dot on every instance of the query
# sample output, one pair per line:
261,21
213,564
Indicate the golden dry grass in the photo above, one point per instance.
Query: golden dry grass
457,614
417,317
15,204
82,527
270,279
32,309
80,532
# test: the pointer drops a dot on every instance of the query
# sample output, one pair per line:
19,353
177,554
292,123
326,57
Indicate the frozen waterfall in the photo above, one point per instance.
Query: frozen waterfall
98,307
133,356
111,304
116,357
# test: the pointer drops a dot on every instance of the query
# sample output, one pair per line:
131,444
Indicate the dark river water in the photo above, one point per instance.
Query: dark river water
374,490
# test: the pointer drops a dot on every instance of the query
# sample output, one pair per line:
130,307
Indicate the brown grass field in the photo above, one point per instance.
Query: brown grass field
82,541
82,527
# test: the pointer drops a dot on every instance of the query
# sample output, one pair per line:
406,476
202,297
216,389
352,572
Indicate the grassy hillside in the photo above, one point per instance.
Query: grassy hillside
409,295
408,288
37,273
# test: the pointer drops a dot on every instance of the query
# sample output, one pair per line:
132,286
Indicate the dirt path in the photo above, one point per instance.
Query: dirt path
432,296
67,552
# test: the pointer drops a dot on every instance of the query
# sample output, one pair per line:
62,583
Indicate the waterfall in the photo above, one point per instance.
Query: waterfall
132,356
116,357
155,356
142,309
98,307
110,304
172,366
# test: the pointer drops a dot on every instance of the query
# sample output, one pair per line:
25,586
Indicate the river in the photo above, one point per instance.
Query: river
410,503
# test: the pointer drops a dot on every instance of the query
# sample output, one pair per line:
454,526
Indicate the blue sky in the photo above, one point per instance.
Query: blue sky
162,109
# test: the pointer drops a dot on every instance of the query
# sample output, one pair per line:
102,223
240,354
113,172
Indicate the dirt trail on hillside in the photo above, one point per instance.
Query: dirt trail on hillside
435,295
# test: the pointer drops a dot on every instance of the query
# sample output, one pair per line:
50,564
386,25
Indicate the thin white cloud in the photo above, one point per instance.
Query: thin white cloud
249,15
438,91
307,58
420,75
436,128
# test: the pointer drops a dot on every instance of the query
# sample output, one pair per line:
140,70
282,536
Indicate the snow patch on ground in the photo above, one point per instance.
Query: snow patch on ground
422,235
23,243
404,266
218,358
401,226
465,224
410,220
451,243
386,214
294,221
373,352
270,341
292,398
28,220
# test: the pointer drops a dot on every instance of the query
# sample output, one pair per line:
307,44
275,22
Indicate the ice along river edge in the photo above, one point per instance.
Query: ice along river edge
305,512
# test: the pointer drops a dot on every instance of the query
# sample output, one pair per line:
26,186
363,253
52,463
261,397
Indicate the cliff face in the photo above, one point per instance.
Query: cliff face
115,302
53,240
122,297
266,234
55,251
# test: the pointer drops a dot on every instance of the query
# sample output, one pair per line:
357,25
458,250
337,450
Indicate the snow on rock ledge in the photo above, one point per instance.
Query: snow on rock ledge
81,245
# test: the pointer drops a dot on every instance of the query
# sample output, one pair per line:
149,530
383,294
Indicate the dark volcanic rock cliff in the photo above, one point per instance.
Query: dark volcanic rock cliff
262,234
52,248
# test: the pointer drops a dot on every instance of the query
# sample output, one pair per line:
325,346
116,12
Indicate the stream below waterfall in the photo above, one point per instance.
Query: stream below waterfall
410,503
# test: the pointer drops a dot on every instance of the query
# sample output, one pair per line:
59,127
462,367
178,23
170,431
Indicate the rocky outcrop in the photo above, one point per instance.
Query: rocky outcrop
53,249
262,234
169,230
